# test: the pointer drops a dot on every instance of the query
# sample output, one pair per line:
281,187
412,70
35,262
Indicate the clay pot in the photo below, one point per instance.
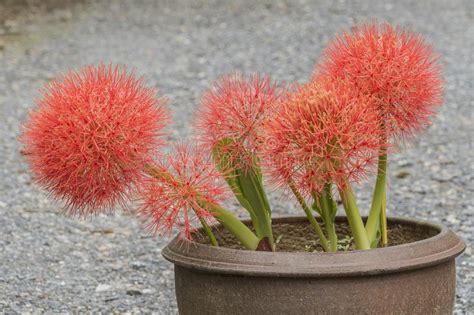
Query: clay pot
414,278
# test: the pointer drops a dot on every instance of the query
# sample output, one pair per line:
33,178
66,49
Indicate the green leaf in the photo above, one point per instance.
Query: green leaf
253,192
247,186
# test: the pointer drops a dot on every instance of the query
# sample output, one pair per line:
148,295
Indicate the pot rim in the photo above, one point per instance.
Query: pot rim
444,246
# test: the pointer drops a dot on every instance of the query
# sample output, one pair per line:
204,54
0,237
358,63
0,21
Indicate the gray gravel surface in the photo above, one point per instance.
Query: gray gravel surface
52,263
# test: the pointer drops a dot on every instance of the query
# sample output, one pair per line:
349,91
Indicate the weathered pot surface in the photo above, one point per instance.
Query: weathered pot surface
413,278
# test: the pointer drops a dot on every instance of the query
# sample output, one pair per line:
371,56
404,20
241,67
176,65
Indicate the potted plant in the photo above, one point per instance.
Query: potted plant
97,140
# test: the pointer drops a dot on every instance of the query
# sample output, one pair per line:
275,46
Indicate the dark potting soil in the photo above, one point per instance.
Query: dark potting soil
300,237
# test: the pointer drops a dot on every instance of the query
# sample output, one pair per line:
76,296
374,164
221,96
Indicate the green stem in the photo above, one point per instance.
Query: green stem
373,221
383,221
208,230
326,203
234,226
311,219
354,218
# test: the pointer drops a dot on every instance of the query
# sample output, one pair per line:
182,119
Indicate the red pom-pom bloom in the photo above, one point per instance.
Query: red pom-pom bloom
178,189
92,133
395,66
234,109
323,132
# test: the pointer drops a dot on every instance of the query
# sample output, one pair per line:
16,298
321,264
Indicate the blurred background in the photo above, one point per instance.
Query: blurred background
49,262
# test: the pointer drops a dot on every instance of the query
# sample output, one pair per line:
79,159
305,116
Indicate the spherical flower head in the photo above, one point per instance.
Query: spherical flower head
178,188
323,132
395,66
90,136
233,111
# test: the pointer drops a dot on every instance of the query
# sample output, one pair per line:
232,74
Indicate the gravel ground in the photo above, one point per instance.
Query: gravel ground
52,263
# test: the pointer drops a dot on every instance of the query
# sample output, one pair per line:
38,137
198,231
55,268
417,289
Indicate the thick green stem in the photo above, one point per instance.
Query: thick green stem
234,226
383,221
374,220
208,230
354,218
326,204
311,219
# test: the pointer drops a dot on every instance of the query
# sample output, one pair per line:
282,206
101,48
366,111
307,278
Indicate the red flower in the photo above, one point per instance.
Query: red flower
90,136
395,66
234,109
184,181
323,132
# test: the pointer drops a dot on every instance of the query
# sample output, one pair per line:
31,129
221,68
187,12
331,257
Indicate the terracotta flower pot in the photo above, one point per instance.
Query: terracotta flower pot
414,278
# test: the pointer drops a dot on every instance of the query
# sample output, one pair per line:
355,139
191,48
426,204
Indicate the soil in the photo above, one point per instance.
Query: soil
299,237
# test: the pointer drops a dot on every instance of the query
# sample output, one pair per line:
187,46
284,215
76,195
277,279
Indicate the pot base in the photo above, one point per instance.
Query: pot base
425,291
